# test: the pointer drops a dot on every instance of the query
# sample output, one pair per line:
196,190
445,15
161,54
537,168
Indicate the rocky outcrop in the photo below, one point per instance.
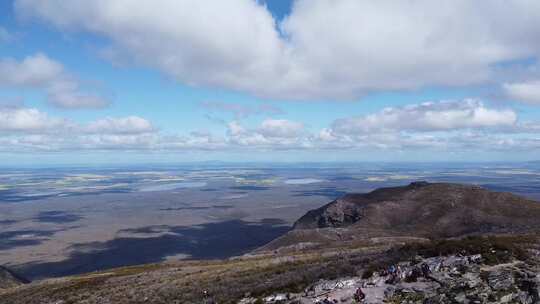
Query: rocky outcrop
450,279
427,210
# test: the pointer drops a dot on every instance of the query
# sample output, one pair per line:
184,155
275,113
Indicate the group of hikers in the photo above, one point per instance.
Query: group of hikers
393,274
328,301
396,274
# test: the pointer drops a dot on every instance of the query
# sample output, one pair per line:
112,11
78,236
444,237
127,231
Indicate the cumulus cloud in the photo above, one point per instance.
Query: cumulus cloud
447,126
39,71
29,120
122,125
353,46
323,49
450,142
271,133
528,92
237,49
281,128
36,70
33,121
429,116
450,126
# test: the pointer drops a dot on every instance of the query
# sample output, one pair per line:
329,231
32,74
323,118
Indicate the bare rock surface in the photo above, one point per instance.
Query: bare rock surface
450,279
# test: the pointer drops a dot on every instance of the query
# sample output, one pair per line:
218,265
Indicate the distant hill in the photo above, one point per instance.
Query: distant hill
420,209
9,279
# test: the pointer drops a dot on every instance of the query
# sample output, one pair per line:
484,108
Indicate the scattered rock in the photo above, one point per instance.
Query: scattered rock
452,279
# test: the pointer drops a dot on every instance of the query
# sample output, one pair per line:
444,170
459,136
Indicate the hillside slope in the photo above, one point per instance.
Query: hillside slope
428,209
418,210
310,276
8,279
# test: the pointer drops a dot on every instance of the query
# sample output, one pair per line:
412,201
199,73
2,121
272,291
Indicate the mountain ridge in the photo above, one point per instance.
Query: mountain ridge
419,210
421,203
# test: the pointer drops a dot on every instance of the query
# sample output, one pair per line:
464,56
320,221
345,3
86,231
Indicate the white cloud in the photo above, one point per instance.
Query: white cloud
281,128
39,71
33,121
30,120
66,93
446,126
230,44
271,133
358,46
528,92
36,70
429,116
29,129
235,129
123,125
464,126
324,49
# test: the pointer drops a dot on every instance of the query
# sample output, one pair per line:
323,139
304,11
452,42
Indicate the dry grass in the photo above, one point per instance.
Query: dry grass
228,281
184,282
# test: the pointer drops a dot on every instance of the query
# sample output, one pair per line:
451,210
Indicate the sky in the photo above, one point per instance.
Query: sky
117,81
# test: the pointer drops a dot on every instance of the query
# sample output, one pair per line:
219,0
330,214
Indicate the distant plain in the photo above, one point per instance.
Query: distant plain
62,221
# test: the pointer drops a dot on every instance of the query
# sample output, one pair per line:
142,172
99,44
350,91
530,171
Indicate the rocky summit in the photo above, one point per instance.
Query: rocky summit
427,209
420,210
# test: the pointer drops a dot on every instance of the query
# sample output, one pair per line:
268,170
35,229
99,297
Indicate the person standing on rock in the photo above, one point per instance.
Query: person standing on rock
392,269
425,270
207,298
359,295
399,272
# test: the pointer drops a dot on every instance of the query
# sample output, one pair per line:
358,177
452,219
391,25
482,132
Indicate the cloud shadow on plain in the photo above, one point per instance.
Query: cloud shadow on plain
18,238
155,243
57,217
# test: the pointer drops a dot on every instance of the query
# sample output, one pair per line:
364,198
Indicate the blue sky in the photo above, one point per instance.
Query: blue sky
109,81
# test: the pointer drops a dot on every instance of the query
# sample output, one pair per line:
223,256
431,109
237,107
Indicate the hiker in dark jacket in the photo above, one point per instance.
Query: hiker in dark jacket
425,270
414,275
359,295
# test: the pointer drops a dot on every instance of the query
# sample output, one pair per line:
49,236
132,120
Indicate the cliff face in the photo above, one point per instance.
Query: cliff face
429,210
